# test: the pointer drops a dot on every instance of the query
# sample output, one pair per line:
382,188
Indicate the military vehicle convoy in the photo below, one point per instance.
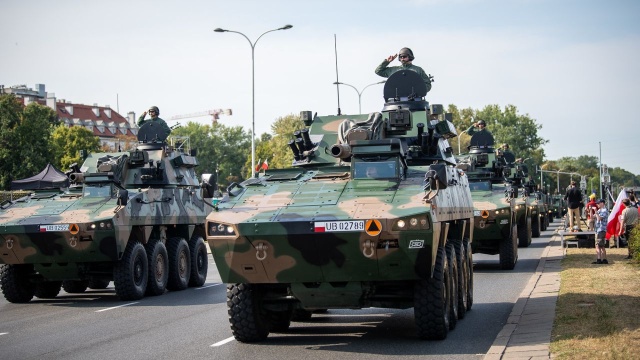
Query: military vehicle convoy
494,199
559,206
372,213
135,218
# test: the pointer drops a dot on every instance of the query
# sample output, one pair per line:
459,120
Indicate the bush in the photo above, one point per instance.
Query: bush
634,242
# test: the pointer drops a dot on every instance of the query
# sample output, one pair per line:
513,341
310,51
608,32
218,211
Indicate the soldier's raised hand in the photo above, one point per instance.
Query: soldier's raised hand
392,57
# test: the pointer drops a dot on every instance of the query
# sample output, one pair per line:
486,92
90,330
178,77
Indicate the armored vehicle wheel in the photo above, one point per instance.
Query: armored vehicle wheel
524,232
431,301
463,276
509,250
301,315
131,273
48,289
75,286
14,280
279,321
158,267
453,280
179,264
469,257
535,227
99,284
244,302
199,261
550,218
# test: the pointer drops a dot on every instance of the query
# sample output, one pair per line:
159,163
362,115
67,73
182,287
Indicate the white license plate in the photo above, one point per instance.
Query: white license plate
338,226
61,227
477,213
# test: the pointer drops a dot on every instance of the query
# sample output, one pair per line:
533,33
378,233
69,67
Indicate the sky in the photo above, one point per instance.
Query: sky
572,65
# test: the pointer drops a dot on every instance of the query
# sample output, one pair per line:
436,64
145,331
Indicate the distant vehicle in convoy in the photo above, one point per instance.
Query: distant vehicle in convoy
372,213
135,218
494,199
558,205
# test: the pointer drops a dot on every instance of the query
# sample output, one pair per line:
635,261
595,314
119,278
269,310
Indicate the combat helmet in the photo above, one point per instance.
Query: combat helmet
155,108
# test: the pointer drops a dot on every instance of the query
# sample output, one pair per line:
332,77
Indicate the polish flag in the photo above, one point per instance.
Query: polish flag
258,166
265,165
614,217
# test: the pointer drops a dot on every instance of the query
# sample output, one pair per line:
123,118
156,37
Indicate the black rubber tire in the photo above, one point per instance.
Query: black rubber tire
179,264
158,261
524,232
279,321
463,276
15,283
48,289
509,250
199,261
453,285
431,301
131,273
244,303
469,251
75,286
301,315
99,284
535,226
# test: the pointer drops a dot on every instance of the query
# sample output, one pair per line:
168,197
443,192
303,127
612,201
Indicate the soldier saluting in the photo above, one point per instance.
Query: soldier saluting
154,112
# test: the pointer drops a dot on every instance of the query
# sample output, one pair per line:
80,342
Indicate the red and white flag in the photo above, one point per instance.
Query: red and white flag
265,165
258,166
614,216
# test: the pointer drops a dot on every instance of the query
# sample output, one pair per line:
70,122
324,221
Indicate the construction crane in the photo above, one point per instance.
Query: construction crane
215,114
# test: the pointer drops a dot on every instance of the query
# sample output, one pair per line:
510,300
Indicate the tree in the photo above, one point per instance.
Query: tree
66,143
275,148
24,138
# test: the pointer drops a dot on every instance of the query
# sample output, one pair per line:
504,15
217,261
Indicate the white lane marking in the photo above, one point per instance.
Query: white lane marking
223,342
119,306
3,333
208,286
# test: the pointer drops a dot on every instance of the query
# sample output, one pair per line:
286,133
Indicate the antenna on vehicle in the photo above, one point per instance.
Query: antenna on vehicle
335,46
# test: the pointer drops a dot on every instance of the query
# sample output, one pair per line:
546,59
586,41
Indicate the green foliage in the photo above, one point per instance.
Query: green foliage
220,149
66,143
634,242
275,148
24,139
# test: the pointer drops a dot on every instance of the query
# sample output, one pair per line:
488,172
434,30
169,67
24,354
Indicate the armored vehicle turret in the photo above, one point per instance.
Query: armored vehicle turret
372,213
135,218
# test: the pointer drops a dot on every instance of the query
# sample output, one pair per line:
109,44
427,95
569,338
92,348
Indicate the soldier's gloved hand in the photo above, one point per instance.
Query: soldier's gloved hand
392,57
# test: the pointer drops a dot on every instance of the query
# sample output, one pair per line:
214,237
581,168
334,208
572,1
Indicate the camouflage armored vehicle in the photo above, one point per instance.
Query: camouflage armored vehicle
559,206
135,218
494,199
372,213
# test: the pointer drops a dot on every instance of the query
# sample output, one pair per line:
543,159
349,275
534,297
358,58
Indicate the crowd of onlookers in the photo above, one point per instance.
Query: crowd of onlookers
611,230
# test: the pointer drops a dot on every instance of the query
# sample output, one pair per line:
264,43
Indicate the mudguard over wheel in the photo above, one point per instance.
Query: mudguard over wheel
75,286
431,301
48,289
524,232
462,281
158,267
131,273
15,283
244,303
453,281
179,264
199,261
509,250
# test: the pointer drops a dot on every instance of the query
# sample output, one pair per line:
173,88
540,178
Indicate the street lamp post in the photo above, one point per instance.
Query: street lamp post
359,92
253,89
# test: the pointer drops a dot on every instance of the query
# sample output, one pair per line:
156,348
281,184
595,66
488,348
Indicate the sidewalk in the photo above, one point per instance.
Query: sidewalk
527,333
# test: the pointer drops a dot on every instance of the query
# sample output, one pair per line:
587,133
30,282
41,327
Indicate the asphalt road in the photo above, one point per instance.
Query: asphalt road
192,324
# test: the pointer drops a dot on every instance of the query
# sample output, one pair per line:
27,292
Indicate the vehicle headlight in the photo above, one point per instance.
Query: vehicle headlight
219,229
101,225
411,223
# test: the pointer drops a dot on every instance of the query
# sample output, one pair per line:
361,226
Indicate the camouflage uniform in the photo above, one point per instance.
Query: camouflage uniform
157,121
385,70
472,130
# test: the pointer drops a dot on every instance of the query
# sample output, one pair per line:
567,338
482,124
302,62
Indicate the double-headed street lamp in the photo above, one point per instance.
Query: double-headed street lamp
359,92
253,89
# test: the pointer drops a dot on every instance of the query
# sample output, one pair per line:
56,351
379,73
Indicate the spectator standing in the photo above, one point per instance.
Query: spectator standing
601,233
628,221
592,207
573,198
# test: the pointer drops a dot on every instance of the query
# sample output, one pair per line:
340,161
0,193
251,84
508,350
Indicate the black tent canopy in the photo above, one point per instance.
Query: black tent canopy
49,178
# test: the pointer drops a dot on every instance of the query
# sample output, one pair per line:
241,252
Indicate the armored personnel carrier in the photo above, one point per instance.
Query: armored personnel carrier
559,207
372,213
494,199
135,218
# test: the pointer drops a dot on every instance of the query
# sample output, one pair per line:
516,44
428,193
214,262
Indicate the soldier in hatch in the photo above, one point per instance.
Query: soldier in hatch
477,127
154,112
405,56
